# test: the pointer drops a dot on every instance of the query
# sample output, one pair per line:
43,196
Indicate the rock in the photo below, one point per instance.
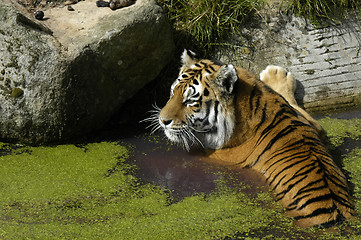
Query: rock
39,15
325,61
65,76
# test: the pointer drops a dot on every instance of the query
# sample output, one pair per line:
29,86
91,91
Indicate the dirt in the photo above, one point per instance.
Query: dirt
37,5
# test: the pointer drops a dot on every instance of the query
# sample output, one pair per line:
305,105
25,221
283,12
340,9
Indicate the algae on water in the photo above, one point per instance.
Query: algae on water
339,129
93,192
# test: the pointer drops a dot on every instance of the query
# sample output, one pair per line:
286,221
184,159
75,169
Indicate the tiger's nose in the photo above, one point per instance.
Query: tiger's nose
165,121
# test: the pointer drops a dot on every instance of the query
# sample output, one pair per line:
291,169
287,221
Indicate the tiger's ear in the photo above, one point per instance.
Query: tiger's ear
188,58
227,77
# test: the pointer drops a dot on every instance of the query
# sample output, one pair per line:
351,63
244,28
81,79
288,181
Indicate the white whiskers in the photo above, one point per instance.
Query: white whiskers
153,119
192,136
185,135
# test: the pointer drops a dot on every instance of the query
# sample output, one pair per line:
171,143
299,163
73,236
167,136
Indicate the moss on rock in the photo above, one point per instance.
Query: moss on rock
17,92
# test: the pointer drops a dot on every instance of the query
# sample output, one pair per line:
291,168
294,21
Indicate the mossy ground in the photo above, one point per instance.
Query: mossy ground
92,192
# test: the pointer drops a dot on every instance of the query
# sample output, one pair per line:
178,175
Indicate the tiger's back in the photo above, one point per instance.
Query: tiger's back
249,124
297,166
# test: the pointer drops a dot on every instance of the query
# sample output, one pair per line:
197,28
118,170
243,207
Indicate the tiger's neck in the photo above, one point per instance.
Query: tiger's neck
247,88
255,106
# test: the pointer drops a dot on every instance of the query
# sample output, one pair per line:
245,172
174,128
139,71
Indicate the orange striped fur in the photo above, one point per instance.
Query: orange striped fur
248,123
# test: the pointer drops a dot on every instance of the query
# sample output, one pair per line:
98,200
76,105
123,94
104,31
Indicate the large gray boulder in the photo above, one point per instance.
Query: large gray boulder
65,76
325,61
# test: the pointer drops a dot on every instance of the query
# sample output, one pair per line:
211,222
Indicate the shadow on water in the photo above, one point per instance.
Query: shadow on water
340,114
348,143
185,173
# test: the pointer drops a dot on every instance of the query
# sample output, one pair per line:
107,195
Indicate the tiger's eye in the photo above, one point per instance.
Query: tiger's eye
189,102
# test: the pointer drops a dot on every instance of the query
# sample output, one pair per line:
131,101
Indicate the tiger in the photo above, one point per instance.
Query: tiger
255,122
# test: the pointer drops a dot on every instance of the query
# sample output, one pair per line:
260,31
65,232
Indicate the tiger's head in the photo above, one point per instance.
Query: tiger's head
200,108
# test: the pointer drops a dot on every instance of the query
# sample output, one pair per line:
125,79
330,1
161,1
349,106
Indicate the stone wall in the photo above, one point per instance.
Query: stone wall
326,62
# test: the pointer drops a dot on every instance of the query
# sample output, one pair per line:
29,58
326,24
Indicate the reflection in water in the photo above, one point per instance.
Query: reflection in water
186,173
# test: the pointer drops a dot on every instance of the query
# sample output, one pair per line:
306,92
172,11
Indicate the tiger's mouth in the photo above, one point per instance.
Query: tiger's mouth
185,136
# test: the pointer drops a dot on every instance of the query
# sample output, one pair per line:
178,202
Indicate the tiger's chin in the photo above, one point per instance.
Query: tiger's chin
188,137
178,138
172,135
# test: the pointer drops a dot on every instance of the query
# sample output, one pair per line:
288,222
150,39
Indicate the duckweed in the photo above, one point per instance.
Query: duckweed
93,191
352,164
339,129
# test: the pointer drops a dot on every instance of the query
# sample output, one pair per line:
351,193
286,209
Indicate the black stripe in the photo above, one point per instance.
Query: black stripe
195,96
216,103
330,165
258,97
300,174
284,132
290,158
291,147
289,166
339,184
317,212
281,115
205,92
278,182
316,199
317,150
293,205
299,123
290,186
253,93
313,189
305,188
263,118
205,120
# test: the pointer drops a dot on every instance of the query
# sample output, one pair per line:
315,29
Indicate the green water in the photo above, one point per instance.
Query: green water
145,188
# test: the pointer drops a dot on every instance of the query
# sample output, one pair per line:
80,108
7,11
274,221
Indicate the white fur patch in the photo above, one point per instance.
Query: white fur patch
191,92
225,126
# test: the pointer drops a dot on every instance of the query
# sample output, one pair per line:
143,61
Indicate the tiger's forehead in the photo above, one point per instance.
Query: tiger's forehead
196,75
184,84
204,66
